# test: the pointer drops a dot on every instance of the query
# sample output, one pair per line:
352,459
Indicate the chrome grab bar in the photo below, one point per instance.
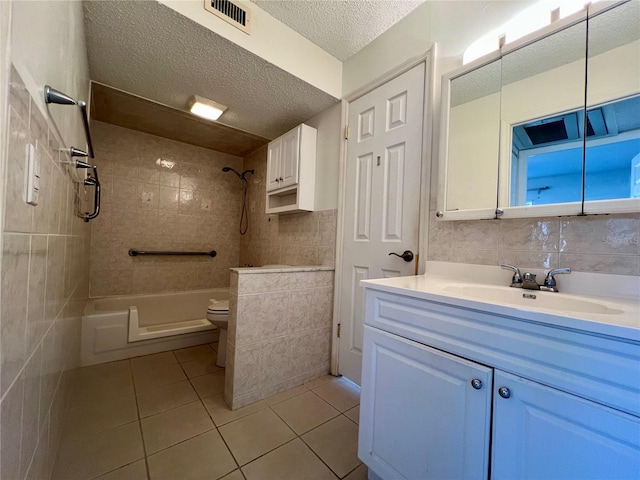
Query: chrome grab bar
51,95
94,182
134,253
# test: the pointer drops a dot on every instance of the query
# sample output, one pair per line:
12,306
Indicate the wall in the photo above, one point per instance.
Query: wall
44,248
193,206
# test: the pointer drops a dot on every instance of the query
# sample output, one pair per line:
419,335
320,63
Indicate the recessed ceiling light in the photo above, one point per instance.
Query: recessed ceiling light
205,108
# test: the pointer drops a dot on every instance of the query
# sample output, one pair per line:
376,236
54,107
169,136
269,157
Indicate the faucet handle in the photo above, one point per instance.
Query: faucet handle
550,281
516,281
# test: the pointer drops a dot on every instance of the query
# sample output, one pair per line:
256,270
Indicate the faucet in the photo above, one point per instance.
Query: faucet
528,280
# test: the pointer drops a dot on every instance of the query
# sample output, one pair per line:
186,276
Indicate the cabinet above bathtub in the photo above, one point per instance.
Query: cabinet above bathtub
291,171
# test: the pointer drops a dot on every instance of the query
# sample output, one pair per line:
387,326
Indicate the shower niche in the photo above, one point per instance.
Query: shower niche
291,171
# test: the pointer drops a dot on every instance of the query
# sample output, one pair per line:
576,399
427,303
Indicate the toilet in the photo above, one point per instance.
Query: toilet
218,314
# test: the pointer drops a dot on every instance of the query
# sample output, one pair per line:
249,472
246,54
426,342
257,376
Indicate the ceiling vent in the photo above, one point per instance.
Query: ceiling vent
231,12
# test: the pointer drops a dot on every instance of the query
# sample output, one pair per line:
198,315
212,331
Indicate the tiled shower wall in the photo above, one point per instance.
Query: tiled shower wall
307,238
159,194
593,243
44,290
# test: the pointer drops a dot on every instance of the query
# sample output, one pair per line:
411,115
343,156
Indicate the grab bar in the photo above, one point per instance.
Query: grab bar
51,95
134,253
93,181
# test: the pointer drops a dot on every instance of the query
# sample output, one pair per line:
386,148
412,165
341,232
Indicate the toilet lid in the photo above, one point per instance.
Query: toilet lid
218,306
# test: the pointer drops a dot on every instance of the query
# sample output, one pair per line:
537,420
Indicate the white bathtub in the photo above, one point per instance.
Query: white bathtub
115,328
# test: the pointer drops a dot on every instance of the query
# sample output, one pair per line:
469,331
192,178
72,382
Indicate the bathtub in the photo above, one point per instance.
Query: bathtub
115,328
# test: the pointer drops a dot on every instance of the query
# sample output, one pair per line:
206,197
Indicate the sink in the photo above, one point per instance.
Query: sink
530,298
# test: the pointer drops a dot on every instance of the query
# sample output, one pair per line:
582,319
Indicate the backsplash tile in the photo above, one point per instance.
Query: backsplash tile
592,243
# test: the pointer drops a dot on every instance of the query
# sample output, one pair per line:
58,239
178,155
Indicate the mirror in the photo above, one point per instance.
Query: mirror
542,124
612,156
470,179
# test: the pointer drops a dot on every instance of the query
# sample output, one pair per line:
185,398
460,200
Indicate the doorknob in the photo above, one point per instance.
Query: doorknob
407,255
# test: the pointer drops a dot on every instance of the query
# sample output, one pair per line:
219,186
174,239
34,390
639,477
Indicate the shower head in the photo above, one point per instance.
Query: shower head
241,176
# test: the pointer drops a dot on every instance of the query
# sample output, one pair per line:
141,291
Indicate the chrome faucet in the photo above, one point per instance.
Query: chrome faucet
528,280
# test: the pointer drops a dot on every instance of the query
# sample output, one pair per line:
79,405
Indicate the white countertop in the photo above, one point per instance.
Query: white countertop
449,284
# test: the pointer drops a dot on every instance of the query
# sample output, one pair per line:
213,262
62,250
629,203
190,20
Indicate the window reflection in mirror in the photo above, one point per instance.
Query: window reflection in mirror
542,119
612,156
473,145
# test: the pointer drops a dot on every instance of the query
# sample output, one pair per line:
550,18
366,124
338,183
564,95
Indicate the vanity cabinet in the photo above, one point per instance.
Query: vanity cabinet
451,392
291,162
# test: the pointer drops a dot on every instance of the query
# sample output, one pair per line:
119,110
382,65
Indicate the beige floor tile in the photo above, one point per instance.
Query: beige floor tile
319,381
104,370
340,393
151,376
165,397
255,435
235,475
99,453
354,414
360,473
286,395
155,360
209,385
336,443
202,457
304,412
97,417
133,471
203,352
176,425
292,461
94,390
221,413
195,368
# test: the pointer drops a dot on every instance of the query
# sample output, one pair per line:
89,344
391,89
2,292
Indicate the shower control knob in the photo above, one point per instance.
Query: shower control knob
476,383
504,392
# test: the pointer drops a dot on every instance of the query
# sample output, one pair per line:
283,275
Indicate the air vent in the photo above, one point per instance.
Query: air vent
231,12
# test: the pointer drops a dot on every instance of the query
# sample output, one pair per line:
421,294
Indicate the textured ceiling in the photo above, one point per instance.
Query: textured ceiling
149,50
342,27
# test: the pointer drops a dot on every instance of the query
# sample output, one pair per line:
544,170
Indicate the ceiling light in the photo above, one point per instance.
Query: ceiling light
205,108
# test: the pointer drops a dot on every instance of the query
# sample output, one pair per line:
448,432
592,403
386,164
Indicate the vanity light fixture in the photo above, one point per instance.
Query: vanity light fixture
205,108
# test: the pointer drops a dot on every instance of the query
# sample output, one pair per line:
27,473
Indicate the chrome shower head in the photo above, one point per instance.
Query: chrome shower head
241,176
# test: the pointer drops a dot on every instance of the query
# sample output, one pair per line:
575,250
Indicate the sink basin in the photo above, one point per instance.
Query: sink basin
530,298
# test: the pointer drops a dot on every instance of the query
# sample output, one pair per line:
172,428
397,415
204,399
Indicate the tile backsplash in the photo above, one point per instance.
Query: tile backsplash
44,289
160,194
307,238
592,243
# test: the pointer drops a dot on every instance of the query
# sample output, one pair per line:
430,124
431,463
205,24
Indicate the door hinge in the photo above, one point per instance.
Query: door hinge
339,325
346,132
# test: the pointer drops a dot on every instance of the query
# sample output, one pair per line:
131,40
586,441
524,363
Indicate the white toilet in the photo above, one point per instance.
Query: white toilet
218,314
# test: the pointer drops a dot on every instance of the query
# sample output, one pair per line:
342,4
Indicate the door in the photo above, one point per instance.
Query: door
382,199
541,432
431,414
290,157
274,155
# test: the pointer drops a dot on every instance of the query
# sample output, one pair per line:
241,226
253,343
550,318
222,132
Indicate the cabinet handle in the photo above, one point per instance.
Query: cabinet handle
281,179
504,392
476,383
277,180
439,214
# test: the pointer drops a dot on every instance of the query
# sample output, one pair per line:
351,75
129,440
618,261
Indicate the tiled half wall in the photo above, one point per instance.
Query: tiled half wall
279,332
592,243
159,194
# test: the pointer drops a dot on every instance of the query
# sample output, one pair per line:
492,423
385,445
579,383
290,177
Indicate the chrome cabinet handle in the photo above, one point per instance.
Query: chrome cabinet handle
439,214
476,383
504,392
407,255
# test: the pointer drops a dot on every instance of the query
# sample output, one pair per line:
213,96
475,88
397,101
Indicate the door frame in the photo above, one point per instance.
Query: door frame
425,177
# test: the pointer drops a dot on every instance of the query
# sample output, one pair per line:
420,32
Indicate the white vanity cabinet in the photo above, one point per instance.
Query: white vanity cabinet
291,163
450,392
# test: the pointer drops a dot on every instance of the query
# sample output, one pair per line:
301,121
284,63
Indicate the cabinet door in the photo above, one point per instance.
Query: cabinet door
420,416
543,433
290,158
274,156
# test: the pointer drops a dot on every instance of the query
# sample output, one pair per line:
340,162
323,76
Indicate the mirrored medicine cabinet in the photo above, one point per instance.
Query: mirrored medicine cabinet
547,126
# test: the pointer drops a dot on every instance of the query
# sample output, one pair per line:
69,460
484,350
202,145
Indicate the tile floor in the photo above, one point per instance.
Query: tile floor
163,416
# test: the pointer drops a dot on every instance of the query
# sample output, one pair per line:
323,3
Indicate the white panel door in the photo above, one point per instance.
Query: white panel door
290,158
382,198
420,415
274,154
540,432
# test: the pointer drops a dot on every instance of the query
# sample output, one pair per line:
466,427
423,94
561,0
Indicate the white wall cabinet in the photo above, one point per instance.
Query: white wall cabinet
291,168
543,407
